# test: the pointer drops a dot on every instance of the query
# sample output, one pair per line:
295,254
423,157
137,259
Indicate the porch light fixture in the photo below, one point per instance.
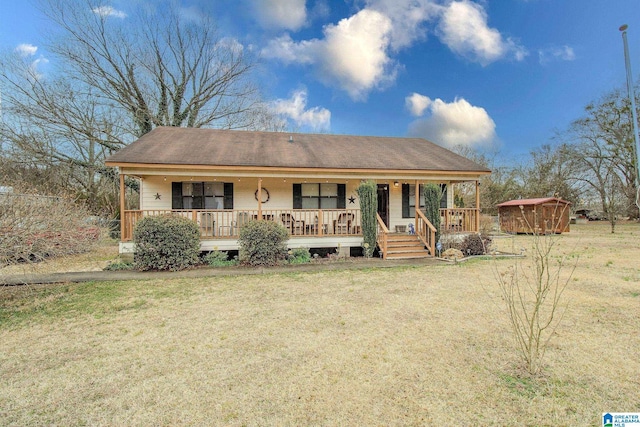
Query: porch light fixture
165,179
396,183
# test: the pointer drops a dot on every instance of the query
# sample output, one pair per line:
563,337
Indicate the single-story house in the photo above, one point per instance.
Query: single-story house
541,215
307,182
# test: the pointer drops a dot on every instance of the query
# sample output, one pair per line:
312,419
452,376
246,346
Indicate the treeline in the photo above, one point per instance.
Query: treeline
592,164
108,81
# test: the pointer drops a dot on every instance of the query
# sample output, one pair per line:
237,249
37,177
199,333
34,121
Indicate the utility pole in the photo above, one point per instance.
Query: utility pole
634,114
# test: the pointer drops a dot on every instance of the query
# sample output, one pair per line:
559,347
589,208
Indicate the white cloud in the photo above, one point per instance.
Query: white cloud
352,56
463,28
26,49
320,10
355,54
109,11
417,104
232,44
193,14
562,53
289,51
407,17
294,108
454,123
280,14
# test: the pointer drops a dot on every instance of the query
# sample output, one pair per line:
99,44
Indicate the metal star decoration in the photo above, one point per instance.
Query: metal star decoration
158,195
352,200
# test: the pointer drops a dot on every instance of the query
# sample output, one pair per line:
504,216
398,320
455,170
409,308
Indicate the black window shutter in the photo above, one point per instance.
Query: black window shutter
443,200
228,195
342,196
297,196
405,201
176,195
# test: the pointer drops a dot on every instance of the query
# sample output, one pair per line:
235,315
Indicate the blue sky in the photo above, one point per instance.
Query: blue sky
492,74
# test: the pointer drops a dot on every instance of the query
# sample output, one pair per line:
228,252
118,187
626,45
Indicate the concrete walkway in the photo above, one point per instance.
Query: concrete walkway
103,276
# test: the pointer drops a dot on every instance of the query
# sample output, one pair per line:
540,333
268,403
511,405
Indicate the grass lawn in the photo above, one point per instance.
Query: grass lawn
401,346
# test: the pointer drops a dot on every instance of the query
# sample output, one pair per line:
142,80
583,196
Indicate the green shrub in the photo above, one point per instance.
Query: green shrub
119,266
166,242
432,196
262,243
218,259
474,244
368,194
299,256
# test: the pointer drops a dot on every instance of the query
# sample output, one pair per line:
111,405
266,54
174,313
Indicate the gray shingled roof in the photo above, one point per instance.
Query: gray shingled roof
212,147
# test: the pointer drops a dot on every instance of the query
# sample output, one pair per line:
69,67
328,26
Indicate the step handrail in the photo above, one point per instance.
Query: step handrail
383,231
426,232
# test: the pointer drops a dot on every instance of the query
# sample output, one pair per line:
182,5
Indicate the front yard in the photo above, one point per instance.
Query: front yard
402,346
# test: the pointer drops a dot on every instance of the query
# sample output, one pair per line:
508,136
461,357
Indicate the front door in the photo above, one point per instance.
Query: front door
383,203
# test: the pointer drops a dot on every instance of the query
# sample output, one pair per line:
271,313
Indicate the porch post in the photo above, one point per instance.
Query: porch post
477,205
259,198
417,204
122,206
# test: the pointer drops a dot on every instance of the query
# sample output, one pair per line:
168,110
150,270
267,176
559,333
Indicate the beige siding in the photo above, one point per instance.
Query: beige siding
280,194
149,187
244,189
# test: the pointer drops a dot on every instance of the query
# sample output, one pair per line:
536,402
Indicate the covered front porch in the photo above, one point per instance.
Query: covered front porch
219,228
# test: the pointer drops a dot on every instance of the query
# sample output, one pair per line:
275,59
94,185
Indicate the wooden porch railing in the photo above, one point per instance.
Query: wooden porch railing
383,231
225,224
426,232
459,220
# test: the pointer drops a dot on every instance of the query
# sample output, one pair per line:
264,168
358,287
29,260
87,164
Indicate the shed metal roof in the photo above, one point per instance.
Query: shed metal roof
532,202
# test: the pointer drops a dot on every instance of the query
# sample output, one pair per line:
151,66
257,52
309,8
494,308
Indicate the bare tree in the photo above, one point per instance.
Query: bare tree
532,290
162,67
550,173
114,76
596,167
56,125
605,149
501,185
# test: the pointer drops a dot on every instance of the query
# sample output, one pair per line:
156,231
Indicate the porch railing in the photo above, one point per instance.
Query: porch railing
459,220
225,224
426,232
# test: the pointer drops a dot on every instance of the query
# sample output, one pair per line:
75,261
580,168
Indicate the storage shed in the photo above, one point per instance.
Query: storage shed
543,215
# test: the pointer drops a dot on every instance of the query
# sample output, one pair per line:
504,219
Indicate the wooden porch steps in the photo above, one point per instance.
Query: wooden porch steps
405,246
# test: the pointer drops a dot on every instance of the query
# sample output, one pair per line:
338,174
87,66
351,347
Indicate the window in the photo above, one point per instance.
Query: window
319,196
201,195
213,195
409,199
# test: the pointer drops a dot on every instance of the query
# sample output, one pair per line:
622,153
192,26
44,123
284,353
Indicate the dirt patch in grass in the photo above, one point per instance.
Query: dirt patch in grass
401,346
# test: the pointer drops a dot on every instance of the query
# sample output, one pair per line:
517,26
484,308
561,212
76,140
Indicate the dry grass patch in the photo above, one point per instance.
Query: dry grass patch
402,346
